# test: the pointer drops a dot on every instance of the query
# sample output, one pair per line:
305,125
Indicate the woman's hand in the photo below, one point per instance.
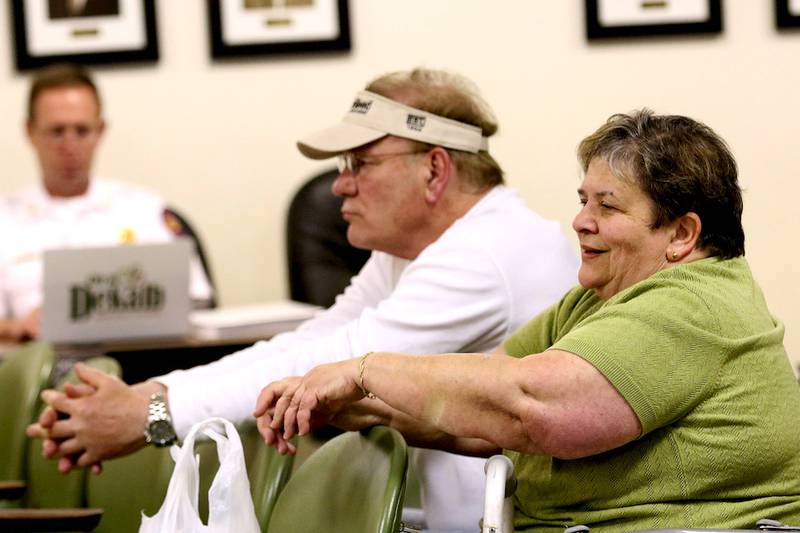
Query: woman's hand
265,409
297,405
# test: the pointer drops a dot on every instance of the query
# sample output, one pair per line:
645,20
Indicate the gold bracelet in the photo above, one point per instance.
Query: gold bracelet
361,364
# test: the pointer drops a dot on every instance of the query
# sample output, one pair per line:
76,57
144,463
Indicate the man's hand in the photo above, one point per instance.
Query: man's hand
30,324
47,418
22,329
102,424
297,405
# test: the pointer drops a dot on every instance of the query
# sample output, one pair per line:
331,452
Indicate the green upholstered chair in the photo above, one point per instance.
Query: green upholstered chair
138,482
354,482
23,374
267,470
128,486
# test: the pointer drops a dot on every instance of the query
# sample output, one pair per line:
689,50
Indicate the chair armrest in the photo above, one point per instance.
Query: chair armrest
11,490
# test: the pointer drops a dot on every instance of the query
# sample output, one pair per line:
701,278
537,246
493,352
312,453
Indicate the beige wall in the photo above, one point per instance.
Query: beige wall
217,139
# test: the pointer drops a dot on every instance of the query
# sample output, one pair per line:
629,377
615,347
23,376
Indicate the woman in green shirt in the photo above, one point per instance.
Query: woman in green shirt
656,394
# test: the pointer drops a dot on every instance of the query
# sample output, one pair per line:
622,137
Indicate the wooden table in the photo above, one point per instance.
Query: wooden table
11,490
24,520
145,358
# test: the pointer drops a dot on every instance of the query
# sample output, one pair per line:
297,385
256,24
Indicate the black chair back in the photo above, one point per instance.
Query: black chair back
321,261
180,226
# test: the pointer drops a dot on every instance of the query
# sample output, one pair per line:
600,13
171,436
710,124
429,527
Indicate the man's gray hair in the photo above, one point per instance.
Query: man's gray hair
451,96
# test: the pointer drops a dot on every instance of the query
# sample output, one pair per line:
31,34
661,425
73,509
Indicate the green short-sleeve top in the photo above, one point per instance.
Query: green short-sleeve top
695,352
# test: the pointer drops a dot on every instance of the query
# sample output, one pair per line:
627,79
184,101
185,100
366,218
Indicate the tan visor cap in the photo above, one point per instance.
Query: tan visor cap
373,116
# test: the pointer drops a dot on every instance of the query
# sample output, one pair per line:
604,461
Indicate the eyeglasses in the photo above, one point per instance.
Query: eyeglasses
353,163
80,133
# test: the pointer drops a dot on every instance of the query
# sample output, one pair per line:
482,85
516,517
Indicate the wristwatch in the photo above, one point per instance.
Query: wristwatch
159,430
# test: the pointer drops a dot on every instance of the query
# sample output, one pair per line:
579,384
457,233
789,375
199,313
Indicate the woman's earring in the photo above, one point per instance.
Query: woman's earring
674,255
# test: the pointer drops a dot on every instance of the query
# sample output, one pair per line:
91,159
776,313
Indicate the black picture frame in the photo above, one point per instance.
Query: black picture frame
262,41
595,29
41,38
784,17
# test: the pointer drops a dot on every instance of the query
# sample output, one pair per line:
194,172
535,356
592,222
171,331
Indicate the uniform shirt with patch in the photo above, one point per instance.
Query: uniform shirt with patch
109,213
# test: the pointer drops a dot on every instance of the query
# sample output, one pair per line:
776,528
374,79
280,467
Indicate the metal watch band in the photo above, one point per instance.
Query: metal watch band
157,409
159,430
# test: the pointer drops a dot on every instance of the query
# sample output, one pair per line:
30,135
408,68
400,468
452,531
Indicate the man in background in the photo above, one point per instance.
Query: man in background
69,207
458,263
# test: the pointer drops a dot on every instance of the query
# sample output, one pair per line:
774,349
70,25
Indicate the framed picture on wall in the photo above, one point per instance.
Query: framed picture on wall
256,27
643,18
83,31
787,13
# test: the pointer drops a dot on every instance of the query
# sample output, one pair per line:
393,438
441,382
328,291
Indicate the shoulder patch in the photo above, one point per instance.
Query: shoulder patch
173,223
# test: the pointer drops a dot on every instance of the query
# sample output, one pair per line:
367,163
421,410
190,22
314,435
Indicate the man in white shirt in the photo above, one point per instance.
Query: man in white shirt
68,207
458,264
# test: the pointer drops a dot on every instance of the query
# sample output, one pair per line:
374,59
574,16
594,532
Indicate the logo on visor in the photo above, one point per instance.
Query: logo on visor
361,107
415,122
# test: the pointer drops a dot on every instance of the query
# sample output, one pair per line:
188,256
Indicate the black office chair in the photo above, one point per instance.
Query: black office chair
180,226
321,261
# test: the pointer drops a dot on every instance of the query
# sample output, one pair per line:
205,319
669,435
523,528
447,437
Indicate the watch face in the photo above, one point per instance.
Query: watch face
161,432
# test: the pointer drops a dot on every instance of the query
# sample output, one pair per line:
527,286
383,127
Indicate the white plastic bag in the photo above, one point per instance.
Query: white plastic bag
230,507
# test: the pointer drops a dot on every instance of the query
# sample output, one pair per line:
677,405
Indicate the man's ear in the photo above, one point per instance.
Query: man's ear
440,169
101,128
685,234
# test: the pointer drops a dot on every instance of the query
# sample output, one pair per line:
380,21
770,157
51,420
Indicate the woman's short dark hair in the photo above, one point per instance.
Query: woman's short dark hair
682,165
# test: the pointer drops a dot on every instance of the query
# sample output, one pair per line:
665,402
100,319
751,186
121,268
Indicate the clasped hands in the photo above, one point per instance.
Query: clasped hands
98,419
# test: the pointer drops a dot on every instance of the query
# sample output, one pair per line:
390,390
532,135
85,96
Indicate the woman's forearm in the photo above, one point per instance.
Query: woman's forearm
460,396
370,412
554,403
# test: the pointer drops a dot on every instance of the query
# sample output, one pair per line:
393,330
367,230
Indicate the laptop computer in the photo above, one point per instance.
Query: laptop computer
116,292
